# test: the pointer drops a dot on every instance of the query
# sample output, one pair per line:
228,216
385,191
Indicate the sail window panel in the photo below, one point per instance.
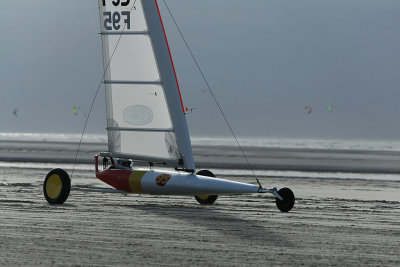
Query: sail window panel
133,59
122,18
154,144
139,106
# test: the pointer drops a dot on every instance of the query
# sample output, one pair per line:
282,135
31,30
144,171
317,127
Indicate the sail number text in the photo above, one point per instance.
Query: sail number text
112,20
118,2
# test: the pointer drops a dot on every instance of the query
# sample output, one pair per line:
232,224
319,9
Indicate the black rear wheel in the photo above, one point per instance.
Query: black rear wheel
56,186
287,203
206,199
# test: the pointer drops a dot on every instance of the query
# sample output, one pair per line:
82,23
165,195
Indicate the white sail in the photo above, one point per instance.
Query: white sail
145,117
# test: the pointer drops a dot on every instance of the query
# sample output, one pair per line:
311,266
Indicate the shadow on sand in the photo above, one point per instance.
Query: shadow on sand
219,220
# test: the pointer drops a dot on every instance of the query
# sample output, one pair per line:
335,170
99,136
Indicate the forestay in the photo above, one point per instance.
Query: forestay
145,117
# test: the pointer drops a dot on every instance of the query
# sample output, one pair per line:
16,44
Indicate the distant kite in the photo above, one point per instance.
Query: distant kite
329,106
15,112
309,109
75,111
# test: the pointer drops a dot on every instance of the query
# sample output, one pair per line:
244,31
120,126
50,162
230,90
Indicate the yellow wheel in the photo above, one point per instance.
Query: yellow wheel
56,186
206,199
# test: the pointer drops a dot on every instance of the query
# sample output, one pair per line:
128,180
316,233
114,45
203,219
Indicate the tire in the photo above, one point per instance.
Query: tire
56,186
287,203
206,199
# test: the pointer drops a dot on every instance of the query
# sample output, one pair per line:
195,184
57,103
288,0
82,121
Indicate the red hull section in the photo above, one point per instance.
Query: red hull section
119,179
125,180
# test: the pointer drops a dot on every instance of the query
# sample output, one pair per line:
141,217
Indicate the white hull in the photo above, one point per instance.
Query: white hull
190,184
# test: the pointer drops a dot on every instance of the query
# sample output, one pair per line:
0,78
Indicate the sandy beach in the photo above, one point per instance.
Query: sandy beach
334,222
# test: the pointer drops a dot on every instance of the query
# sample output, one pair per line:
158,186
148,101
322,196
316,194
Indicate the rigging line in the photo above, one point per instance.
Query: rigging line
212,94
97,91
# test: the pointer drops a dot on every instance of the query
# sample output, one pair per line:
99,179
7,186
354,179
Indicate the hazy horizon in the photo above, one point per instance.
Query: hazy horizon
266,61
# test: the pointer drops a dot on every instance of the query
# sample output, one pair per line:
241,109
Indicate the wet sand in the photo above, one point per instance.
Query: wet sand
264,158
334,222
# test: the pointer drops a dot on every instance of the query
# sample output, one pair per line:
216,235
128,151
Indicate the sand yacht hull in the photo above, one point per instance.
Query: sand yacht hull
164,182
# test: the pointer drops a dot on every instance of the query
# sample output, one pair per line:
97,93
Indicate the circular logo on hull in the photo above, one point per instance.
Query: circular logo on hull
162,179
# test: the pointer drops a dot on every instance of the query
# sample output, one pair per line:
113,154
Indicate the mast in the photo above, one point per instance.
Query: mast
169,80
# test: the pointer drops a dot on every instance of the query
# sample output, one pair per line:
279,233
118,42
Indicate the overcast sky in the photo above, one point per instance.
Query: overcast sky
266,60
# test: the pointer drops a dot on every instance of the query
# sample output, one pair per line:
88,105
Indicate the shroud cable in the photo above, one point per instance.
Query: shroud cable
213,96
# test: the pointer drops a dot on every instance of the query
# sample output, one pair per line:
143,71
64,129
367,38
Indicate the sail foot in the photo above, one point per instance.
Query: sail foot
143,158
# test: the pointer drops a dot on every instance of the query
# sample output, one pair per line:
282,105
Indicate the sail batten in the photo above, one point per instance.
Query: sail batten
144,107
140,129
132,82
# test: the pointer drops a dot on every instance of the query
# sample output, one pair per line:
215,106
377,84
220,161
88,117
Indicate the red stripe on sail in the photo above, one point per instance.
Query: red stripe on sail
170,56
